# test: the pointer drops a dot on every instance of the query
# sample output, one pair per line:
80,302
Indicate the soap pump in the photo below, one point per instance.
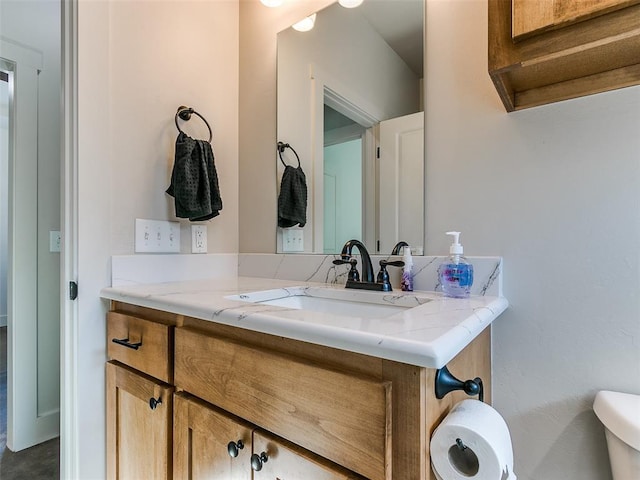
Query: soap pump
456,273
407,272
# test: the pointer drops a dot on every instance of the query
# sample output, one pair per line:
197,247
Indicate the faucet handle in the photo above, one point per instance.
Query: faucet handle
396,263
383,275
353,271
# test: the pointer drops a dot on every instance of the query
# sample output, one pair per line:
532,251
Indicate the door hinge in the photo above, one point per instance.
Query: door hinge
377,152
73,290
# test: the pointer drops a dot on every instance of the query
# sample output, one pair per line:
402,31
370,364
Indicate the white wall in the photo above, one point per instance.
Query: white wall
36,24
552,189
555,190
139,61
259,26
163,55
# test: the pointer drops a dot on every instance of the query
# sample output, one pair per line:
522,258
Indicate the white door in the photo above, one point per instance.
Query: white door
27,424
342,194
401,180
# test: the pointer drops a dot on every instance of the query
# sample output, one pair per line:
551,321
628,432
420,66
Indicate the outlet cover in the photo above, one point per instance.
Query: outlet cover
157,236
198,239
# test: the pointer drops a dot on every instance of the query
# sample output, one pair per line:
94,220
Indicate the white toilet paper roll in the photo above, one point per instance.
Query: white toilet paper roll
472,442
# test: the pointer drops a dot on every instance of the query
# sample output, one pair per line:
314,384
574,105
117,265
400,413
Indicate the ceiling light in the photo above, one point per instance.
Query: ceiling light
271,3
305,24
350,3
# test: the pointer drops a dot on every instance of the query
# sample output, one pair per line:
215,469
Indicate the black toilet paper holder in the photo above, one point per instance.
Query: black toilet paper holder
446,383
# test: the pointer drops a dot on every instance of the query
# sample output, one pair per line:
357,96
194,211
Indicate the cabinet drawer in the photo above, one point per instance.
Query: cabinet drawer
143,344
342,417
285,460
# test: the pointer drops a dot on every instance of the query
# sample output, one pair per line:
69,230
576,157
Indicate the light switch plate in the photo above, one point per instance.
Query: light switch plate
157,236
55,241
293,240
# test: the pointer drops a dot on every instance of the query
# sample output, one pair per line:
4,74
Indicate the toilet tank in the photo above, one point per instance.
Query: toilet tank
620,414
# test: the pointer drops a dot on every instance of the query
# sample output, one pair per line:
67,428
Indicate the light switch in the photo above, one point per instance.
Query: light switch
293,240
157,236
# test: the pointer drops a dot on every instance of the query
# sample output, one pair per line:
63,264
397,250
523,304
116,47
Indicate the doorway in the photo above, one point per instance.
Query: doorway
343,171
29,242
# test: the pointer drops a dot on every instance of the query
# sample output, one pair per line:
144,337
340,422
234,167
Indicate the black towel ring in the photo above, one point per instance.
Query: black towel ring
185,114
281,148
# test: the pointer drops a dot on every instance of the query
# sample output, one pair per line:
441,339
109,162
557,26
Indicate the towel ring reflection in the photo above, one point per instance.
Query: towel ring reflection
185,114
281,147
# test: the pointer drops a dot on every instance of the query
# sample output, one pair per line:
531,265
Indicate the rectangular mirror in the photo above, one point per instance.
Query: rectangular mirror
350,103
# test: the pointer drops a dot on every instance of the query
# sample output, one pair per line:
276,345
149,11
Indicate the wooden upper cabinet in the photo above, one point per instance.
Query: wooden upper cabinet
531,17
547,51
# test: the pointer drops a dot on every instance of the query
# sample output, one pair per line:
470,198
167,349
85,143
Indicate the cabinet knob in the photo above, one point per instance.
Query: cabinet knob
258,460
153,402
234,448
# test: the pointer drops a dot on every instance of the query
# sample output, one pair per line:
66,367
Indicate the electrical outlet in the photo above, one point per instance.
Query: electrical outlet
55,241
157,236
293,240
198,239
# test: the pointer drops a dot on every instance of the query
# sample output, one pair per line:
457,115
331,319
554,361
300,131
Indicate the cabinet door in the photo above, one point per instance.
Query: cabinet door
139,419
208,443
277,459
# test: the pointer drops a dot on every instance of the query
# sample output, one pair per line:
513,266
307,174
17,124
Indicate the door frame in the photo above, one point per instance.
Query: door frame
326,89
69,424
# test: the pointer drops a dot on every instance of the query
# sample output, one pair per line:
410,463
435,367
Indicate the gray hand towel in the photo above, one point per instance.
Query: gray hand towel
194,180
292,201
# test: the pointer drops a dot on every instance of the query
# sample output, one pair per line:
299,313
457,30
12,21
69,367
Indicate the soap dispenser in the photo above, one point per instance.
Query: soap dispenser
456,273
407,272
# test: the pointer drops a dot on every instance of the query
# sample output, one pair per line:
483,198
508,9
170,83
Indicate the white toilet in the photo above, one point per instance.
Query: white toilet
620,414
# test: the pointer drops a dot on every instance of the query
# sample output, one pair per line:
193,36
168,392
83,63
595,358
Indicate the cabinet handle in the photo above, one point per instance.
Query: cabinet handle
153,403
234,448
258,460
125,343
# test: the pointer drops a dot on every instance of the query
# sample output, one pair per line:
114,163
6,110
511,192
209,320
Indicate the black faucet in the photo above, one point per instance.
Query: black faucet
367,266
398,246
368,282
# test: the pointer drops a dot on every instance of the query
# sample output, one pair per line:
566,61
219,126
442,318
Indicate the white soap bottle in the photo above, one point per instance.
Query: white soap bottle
456,273
407,271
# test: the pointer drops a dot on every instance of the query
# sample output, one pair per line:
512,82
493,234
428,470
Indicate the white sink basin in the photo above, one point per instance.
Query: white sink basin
346,302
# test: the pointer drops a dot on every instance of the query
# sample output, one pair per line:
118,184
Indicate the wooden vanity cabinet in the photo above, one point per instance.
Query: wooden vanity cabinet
547,51
210,444
315,412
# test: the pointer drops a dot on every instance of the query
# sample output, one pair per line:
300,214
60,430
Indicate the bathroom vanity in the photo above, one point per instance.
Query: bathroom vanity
212,377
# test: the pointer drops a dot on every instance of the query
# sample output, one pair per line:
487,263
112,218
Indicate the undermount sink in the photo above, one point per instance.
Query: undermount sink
350,303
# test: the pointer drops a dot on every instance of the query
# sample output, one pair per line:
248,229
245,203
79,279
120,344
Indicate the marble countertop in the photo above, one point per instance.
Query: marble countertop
428,335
